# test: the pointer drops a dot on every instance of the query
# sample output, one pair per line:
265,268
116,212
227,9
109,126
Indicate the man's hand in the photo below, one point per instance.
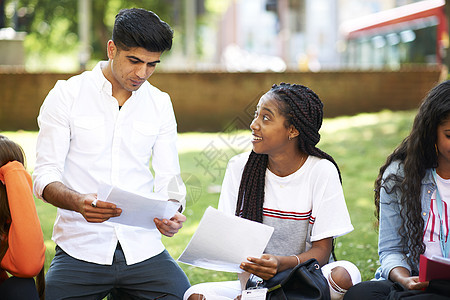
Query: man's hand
61,196
170,227
101,212
265,267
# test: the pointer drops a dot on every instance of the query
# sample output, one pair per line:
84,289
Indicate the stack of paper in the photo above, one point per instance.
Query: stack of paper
222,242
137,210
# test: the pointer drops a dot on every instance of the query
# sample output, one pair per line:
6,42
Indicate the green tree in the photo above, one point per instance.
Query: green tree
52,26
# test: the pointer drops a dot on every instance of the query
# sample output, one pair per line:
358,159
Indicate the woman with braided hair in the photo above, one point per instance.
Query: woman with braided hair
288,183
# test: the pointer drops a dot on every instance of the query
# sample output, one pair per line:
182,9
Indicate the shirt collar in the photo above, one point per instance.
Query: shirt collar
100,80
428,178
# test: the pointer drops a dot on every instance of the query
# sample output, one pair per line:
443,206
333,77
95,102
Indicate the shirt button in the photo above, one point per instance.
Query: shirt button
429,191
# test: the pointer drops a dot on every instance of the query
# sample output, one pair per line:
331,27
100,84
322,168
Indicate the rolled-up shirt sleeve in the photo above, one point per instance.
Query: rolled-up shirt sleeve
53,140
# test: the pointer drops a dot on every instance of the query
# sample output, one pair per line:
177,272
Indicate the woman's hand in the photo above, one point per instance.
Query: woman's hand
413,283
265,267
269,265
402,276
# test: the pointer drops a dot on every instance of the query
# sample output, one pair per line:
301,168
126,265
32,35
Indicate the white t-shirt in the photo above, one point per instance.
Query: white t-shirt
303,207
432,227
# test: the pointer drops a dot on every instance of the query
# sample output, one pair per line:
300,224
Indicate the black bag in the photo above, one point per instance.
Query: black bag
304,282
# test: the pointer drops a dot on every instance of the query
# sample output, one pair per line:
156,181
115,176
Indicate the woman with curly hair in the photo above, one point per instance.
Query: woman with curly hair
22,249
288,183
412,200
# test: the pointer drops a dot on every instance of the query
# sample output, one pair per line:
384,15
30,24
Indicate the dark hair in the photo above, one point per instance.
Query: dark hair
416,153
10,151
303,109
137,27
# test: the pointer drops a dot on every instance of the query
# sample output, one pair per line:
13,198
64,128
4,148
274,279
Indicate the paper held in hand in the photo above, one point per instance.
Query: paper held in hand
221,242
137,210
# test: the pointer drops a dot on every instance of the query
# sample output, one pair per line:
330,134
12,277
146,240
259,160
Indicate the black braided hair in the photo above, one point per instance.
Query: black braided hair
303,109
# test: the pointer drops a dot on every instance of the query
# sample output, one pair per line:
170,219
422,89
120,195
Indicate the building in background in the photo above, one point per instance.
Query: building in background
12,50
411,34
240,35
248,38
314,35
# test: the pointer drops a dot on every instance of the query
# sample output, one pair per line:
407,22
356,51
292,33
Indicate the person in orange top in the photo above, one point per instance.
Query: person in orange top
22,249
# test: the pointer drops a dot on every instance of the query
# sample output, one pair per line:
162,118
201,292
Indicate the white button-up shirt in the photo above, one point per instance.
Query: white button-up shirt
84,139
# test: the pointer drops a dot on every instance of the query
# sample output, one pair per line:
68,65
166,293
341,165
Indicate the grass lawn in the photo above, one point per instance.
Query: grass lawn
359,144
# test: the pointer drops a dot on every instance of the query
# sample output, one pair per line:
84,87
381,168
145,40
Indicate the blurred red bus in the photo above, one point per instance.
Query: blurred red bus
411,34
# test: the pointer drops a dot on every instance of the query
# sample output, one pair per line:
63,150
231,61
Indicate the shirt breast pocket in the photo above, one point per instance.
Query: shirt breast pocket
143,137
89,134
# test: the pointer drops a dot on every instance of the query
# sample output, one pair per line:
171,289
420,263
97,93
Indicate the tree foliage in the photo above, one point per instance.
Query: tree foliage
52,26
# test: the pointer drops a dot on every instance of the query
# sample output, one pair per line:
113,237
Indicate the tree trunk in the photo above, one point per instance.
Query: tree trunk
2,14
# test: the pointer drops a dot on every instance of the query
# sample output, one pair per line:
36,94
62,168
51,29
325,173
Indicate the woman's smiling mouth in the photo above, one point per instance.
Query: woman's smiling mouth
256,138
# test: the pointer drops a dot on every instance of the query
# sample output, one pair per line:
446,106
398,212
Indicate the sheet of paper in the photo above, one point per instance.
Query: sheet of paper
137,210
441,259
221,242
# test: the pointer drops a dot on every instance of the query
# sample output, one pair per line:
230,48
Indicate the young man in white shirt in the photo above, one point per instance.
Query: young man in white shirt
104,125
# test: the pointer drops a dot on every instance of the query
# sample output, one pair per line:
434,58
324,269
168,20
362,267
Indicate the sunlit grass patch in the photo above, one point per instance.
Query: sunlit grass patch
359,144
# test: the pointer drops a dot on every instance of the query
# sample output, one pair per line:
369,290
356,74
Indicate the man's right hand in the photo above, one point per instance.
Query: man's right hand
101,212
61,196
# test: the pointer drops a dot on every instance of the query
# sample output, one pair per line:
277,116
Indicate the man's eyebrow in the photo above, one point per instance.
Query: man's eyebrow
140,60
